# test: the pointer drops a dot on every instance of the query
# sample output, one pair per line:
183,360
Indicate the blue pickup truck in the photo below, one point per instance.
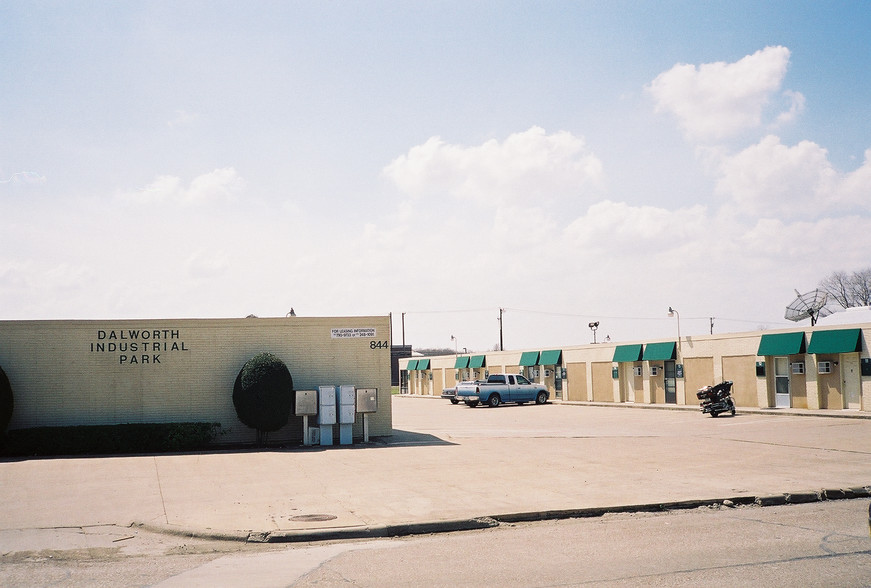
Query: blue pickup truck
501,388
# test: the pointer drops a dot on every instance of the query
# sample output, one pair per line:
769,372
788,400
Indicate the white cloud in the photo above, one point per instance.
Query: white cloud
206,264
24,177
613,223
219,185
772,179
183,119
796,102
719,100
855,189
530,166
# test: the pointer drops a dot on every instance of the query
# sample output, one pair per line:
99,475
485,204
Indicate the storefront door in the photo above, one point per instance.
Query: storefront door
670,383
781,382
850,380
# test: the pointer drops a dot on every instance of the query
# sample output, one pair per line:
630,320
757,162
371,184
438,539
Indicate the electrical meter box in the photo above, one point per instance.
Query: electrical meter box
346,404
306,403
367,400
326,405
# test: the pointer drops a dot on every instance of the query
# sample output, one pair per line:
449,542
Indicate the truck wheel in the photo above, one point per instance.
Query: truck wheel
494,401
454,401
541,398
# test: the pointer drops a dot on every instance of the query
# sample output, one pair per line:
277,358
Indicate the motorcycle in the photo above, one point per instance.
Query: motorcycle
717,399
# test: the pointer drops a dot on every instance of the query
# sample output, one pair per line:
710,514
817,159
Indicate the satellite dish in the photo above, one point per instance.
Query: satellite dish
810,305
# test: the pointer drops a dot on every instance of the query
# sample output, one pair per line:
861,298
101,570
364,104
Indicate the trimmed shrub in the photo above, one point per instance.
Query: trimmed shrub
263,394
6,402
103,439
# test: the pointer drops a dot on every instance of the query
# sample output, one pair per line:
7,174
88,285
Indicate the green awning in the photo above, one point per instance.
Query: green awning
423,364
529,358
659,351
461,362
477,361
628,353
781,344
841,341
412,365
552,357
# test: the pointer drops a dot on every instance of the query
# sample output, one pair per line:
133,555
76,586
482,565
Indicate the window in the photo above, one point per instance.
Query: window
654,370
798,367
522,380
511,380
824,367
637,371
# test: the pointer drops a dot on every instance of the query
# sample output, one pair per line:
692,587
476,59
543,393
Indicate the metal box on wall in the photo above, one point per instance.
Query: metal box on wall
367,400
326,405
346,401
306,403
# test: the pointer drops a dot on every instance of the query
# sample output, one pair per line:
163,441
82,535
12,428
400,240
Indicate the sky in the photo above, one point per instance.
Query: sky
565,162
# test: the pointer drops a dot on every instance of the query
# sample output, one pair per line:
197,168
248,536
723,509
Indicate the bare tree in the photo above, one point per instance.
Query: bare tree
848,290
862,287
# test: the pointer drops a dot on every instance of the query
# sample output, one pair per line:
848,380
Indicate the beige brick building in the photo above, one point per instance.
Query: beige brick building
154,371
822,367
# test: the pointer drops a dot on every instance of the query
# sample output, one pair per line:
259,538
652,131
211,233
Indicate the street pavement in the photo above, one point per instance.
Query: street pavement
448,468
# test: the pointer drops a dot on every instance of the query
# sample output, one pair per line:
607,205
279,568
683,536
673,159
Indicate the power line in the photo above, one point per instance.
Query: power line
587,315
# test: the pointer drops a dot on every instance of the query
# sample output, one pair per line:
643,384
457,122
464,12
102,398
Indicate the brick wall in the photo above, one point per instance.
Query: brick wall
137,371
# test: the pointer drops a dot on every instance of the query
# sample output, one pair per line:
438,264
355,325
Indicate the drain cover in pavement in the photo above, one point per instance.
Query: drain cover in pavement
313,518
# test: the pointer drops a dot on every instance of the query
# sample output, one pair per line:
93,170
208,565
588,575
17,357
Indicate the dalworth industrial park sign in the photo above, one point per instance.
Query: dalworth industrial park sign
138,346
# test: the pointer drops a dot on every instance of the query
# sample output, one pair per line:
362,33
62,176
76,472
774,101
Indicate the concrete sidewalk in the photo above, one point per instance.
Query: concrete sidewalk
448,468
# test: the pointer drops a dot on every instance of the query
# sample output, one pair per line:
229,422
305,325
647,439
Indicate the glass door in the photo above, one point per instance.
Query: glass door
670,383
781,382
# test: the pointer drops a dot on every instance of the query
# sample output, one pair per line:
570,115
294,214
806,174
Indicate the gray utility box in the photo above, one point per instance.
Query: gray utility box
367,403
346,400
326,413
367,400
306,403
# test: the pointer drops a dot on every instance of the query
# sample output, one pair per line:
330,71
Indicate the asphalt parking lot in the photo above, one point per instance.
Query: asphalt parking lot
447,464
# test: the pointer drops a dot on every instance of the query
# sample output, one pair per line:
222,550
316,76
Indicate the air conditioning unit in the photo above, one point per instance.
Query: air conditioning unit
824,367
637,371
798,367
654,370
314,436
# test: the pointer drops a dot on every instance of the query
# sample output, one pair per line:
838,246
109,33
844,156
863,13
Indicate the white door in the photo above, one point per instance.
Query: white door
781,382
628,373
851,381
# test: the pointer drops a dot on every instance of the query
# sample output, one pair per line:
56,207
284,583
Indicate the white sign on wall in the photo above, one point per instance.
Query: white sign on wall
353,333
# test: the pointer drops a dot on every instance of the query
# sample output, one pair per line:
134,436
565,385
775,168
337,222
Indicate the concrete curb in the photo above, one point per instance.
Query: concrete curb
487,522
193,533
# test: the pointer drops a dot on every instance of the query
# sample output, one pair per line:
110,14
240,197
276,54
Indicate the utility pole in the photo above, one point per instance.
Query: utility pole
501,347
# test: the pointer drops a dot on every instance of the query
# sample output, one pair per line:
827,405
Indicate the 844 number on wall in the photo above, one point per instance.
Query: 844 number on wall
378,345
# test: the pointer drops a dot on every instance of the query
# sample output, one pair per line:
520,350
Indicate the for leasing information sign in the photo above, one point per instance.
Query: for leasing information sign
353,333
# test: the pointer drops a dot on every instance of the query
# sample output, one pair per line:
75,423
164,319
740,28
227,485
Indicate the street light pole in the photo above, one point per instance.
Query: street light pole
501,347
672,312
